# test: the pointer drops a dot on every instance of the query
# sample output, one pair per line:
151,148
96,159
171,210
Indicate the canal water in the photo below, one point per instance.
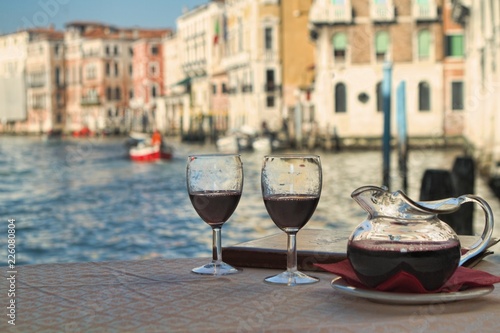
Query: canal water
82,200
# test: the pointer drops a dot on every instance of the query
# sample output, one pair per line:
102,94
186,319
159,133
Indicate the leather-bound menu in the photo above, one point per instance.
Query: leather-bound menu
313,246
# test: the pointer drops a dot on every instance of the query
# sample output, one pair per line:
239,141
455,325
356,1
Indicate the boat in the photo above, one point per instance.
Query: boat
146,153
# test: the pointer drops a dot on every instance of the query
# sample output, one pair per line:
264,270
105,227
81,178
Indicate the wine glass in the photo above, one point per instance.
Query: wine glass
291,188
214,184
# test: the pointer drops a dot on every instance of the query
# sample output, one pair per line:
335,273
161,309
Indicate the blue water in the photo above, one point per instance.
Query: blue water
83,200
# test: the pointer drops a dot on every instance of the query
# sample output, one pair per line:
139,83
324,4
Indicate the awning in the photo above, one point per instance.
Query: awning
183,82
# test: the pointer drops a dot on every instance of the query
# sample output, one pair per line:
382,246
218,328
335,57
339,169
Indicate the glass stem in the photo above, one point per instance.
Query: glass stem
291,255
216,245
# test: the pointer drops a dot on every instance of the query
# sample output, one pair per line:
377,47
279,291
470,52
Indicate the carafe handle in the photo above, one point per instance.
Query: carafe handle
481,244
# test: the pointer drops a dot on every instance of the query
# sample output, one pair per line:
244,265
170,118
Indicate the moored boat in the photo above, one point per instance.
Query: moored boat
146,153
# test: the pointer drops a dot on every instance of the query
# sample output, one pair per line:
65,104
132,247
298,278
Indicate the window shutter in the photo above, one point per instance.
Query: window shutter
424,42
381,42
340,41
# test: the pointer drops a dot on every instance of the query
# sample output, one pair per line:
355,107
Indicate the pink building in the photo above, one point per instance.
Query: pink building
148,72
101,76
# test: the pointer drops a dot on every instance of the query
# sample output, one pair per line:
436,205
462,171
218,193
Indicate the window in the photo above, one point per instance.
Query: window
118,94
107,50
130,69
339,46
214,89
131,93
224,88
378,90
457,95
153,69
154,91
108,69
270,101
90,72
57,75
109,93
424,44
340,98
381,45
154,50
116,69
270,80
424,97
268,38
454,45
116,50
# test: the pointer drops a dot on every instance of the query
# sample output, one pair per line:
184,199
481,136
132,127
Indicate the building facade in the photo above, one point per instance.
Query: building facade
481,22
13,54
147,72
45,83
100,69
354,40
197,53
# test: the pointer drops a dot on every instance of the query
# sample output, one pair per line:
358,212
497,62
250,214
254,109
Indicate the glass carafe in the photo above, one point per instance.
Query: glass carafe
400,234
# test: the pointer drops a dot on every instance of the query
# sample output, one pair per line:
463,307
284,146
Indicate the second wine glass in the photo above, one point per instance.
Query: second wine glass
291,188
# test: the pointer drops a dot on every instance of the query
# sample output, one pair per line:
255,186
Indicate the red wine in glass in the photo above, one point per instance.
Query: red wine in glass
290,212
215,207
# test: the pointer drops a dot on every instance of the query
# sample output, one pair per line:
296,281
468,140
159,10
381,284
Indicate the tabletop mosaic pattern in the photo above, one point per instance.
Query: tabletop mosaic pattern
164,296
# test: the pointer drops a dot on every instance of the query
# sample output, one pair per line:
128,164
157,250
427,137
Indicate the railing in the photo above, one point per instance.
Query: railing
246,88
90,100
324,12
36,84
236,60
382,12
425,12
272,87
459,11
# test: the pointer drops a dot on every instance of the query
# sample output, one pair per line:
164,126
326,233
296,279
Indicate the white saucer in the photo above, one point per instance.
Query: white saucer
408,298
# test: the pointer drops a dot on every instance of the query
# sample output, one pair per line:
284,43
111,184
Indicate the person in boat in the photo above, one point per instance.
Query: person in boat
156,139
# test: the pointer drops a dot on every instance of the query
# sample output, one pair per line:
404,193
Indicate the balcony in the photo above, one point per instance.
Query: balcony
236,60
36,84
271,87
459,11
246,88
325,12
90,100
425,12
382,12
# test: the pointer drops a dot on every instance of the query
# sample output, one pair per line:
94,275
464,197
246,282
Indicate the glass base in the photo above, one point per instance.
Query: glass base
215,268
291,278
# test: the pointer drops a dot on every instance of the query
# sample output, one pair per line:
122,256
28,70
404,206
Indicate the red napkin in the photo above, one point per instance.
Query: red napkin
403,282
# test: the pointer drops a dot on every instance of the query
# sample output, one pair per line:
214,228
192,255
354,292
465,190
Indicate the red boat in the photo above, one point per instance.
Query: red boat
148,153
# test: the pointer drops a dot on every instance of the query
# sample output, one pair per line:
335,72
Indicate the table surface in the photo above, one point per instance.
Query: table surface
162,295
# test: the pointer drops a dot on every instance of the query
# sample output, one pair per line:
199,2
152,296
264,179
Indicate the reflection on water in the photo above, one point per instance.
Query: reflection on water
83,200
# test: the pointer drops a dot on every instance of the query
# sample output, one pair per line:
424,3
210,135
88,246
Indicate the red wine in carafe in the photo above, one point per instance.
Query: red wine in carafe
215,207
431,263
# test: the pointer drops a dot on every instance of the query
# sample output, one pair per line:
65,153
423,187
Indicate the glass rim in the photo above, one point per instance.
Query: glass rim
292,155
214,155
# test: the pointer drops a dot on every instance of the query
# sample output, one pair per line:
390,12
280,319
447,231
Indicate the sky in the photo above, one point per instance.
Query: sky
21,14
